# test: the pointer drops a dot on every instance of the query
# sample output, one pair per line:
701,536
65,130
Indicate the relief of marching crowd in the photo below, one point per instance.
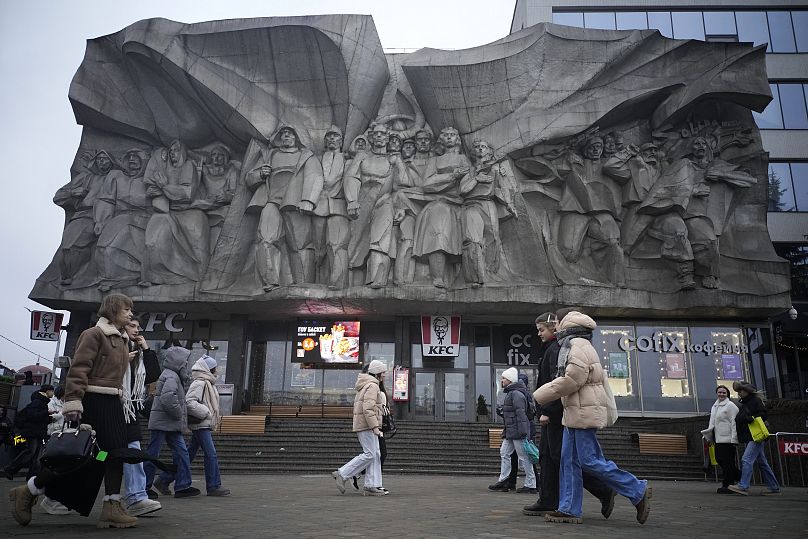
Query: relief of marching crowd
389,205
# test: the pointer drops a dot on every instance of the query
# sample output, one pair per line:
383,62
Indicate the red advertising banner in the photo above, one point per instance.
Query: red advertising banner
793,449
45,326
440,336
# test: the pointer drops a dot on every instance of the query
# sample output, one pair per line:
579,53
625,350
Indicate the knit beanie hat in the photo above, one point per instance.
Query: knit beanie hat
511,374
209,361
377,367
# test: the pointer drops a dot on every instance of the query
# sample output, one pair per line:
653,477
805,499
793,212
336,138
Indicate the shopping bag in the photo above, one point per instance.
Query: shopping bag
531,451
759,430
711,451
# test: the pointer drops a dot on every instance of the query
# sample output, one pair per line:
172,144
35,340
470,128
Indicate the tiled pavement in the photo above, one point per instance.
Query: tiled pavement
431,506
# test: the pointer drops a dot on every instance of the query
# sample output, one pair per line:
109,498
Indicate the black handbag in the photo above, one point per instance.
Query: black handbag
68,450
388,423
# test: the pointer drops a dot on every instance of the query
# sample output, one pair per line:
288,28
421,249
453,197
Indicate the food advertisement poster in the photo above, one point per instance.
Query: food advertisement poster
326,342
675,366
302,377
618,365
731,367
401,384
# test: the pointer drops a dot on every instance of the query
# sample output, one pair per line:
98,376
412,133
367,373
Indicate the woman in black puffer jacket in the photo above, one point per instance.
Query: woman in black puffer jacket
751,407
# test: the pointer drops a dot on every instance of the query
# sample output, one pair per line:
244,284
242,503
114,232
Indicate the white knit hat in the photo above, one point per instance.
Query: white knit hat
511,374
377,367
209,361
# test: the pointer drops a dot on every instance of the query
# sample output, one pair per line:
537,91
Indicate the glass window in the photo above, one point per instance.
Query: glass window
569,19
782,33
302,385
620,363
761,358
799,179
724,363
719,23
797,256
384,352
771,118
665,373
752,27
632,20
339,384
688,25
792,101
599,20
781,192
482,384
800,19
661,20
274,365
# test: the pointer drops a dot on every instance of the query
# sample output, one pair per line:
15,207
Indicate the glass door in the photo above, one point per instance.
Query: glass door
441,396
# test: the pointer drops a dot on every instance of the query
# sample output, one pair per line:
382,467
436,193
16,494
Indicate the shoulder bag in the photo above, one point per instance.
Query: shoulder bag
759,430
69,449
531,451
388,423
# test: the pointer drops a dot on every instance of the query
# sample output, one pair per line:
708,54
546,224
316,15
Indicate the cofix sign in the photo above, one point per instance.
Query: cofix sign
45,326
440,336
793,449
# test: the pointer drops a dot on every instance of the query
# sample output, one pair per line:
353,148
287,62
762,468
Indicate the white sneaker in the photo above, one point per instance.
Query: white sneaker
374,491
143,507
341,482
52,507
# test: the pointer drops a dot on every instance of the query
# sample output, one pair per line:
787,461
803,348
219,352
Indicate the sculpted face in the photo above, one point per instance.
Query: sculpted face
394,145
593,149
174,153
133,163
379,137
408,149
482,150
449,138
218,157
699,147
423,142
609,145
361,145
333,141
649,155
287,138
103,163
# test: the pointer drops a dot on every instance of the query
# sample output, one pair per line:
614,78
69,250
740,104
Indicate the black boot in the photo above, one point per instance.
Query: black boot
499,486
537,509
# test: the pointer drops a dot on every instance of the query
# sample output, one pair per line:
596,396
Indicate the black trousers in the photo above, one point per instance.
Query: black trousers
725,456
550,465
28,457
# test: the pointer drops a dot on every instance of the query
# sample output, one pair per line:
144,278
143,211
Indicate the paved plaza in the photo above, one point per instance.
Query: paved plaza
431,506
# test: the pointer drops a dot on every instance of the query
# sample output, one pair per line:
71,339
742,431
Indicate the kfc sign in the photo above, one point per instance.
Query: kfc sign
440,336
45,326
793,449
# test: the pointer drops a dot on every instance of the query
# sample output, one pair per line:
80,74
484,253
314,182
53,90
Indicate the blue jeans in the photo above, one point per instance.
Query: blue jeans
179,456
752,454
203,438
134,480
580,450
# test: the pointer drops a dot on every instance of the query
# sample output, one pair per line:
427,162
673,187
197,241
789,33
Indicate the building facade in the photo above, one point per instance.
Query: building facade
297,204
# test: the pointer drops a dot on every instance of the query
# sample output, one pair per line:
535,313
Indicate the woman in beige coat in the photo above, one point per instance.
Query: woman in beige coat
579,385
367,424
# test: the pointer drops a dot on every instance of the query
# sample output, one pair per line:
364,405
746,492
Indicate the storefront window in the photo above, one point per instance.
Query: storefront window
664,365
274,365
384,352
722,361
620,362
761,360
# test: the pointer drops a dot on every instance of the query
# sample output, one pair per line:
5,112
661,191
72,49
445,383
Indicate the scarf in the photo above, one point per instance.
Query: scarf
564,338
133,390
210,397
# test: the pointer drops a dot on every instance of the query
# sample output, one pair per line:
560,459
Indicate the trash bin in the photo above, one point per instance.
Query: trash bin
225,398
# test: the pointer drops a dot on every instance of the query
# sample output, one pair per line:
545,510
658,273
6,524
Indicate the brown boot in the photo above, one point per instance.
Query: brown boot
113,516
21,503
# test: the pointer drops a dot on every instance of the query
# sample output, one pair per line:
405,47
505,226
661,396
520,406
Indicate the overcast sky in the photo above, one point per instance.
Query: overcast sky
42,44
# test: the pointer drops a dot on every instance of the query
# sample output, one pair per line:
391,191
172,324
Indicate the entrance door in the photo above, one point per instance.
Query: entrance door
441,396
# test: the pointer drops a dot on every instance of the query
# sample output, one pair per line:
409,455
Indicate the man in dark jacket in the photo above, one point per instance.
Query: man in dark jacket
517,429
32,424
552,432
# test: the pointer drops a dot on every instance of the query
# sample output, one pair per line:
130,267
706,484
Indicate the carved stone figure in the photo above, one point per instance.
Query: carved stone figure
408,200
78,198
121,214
437,228
482,189
368,187
331,227
177,234
219,177
691,200
590,207
287,185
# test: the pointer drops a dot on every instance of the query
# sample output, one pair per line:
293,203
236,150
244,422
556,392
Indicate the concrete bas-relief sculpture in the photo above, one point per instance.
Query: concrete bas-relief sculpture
289,160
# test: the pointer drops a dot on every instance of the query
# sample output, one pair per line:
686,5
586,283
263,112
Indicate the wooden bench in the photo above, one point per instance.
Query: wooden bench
242,424
494,438
310,411
661,444
338,412
304,411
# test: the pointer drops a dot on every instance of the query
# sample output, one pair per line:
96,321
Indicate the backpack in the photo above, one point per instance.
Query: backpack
530,411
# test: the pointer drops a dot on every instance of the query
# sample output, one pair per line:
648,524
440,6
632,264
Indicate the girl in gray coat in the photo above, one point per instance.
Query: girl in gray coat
167,420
